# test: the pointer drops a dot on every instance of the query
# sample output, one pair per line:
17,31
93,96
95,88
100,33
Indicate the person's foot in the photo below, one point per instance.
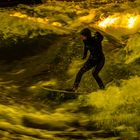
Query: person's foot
102,87
74,88
70,89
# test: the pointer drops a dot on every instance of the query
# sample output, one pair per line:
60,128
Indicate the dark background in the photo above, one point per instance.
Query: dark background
4,3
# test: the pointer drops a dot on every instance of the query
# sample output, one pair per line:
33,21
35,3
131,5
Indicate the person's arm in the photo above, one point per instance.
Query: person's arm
85,51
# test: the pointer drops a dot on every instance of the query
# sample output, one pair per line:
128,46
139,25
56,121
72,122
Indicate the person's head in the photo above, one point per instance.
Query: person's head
85,34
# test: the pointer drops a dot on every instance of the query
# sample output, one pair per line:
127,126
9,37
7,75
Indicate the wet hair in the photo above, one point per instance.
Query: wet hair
86,32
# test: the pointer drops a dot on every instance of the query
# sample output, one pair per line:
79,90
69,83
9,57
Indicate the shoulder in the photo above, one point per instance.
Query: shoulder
98,36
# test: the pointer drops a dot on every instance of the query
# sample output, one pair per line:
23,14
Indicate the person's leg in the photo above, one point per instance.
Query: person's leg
95,73
87,66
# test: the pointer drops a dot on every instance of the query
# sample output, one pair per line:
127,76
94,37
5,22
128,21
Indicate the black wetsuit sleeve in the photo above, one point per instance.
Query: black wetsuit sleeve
85,51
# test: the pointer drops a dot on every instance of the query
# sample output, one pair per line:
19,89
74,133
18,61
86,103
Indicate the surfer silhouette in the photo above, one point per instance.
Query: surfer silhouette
96,59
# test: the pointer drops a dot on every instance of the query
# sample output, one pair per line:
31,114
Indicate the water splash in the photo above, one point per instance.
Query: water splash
34,19
128,21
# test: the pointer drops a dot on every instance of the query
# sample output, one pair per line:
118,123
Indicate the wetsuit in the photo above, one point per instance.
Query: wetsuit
96,59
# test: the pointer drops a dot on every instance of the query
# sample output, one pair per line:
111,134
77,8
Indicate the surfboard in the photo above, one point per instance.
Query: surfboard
59,94
61,90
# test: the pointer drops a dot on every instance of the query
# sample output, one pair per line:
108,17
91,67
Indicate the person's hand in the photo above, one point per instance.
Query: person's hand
83,58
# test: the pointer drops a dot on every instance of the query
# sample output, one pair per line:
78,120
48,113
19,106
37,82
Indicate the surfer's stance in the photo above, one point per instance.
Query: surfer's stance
96,58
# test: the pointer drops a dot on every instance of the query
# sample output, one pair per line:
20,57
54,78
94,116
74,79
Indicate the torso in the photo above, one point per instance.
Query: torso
95,48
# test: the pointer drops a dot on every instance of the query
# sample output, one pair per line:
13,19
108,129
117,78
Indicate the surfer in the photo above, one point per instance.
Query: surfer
96,59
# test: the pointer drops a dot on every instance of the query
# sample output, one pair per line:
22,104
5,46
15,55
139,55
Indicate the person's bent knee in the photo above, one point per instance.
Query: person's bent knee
82,70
